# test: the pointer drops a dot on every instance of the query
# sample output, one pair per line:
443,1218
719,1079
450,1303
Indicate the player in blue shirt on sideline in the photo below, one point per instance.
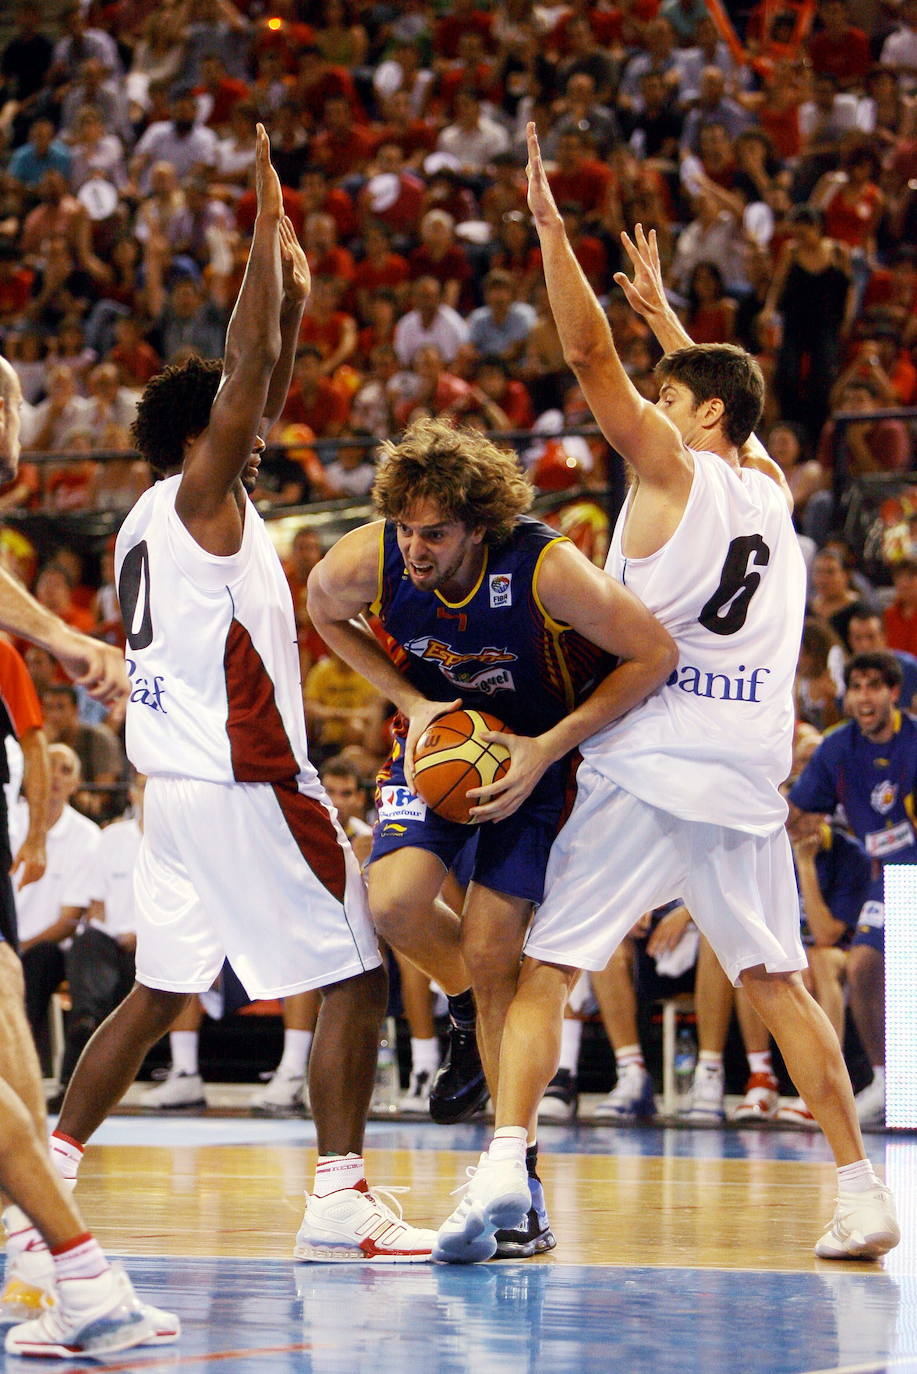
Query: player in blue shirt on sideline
868,766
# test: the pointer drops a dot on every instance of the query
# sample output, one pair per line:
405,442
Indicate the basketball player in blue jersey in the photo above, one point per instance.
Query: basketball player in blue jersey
868,766
686,785
242,855
487,608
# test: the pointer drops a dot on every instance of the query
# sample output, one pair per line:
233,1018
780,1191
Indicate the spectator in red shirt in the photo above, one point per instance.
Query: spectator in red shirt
218,92
317,82
15,282
317,194
331,331
510,395
379,267
472,72
313,400
871,445
342,147
392,195
136,360
580,180
435,389
383,310
839,49
439,256
415,136
901,615
463,16
324,254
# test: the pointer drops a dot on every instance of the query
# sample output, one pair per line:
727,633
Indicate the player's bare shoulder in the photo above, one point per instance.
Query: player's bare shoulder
347,578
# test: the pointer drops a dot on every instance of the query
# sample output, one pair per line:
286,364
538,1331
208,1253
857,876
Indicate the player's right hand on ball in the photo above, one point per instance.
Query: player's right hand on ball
420,717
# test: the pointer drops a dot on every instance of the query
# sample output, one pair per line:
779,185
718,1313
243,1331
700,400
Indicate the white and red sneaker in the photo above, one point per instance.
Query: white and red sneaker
354,1226
95,1316
761,1099
795,1113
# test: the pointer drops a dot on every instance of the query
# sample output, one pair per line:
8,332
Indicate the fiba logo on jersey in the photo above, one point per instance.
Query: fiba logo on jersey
501,590
883,796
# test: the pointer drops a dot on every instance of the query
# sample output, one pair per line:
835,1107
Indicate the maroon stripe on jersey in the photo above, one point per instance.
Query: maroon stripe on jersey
259,746
311,828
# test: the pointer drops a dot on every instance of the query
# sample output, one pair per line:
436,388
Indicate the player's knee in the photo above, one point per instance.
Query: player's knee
157,1007
490,967
397,919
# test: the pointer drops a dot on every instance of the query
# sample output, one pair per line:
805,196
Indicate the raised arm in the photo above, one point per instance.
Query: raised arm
217,459
297,285
629,422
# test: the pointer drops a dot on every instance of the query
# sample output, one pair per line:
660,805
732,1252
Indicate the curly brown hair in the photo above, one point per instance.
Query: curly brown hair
469,478
175,407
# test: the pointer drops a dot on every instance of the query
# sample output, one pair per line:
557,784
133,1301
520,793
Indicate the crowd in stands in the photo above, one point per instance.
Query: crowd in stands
775,154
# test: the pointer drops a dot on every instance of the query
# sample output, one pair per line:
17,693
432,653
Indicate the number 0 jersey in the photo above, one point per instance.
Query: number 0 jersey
211,651
715,741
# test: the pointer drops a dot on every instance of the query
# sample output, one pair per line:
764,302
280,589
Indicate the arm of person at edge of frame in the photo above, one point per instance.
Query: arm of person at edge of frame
639,431
646,297
31,857
342,587
207,501
576,593
89,662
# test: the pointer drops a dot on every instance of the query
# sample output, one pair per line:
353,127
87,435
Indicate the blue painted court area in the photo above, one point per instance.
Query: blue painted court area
246,1317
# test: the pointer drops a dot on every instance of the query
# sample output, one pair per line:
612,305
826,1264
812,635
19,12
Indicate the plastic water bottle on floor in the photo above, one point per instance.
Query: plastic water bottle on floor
685,1064
387,1090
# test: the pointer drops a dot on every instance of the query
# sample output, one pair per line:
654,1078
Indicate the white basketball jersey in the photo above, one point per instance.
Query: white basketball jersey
211,651
715,741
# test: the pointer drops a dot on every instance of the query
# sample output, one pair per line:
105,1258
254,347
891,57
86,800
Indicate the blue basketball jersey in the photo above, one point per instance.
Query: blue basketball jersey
498,649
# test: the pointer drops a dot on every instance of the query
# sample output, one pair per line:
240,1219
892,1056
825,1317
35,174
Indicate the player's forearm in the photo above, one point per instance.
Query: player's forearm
360,648
290,319
625,687
254,327
36,781
582,326
668,329
22,615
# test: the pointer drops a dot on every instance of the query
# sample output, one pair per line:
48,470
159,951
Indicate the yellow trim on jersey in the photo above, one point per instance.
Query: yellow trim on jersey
457,605
376,603
909,809
549,619
556,627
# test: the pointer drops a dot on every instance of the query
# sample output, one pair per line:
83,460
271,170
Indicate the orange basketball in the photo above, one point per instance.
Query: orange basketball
451,757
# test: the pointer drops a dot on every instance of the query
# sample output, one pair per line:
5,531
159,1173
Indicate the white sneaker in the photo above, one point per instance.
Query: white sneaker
497,1198
93,1317
417,1097
29,1287
353,1226
796,1113
864,1226
177,1090
631,1097
280,1096
870,1104
761,1099
707,1102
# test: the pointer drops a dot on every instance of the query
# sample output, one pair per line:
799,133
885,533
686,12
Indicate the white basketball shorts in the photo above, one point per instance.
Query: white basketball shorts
618,857
256,873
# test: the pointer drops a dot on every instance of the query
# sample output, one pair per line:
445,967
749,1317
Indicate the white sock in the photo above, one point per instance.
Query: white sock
66,1156
509,1142
878,1075
711,1059
856,1178
627,1055
425,1056
760,1062
183,1046
334,1172
296,1047
81,1258
571,1035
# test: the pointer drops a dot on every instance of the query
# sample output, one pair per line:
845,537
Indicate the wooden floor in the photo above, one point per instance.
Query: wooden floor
678,1249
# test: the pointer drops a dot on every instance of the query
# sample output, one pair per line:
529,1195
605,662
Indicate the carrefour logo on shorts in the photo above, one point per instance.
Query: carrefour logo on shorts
501,589
397,803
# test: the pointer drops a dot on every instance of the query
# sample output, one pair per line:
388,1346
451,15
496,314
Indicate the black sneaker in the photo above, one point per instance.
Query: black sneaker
534,1237
459,1088
560,1099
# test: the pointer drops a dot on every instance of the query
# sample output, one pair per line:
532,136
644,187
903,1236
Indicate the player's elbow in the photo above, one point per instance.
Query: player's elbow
663,653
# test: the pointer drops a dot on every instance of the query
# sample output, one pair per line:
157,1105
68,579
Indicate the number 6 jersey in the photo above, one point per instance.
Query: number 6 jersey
211,651
729,586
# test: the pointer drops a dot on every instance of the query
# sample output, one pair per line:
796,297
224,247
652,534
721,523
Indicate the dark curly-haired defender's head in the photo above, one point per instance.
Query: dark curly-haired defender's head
175,407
